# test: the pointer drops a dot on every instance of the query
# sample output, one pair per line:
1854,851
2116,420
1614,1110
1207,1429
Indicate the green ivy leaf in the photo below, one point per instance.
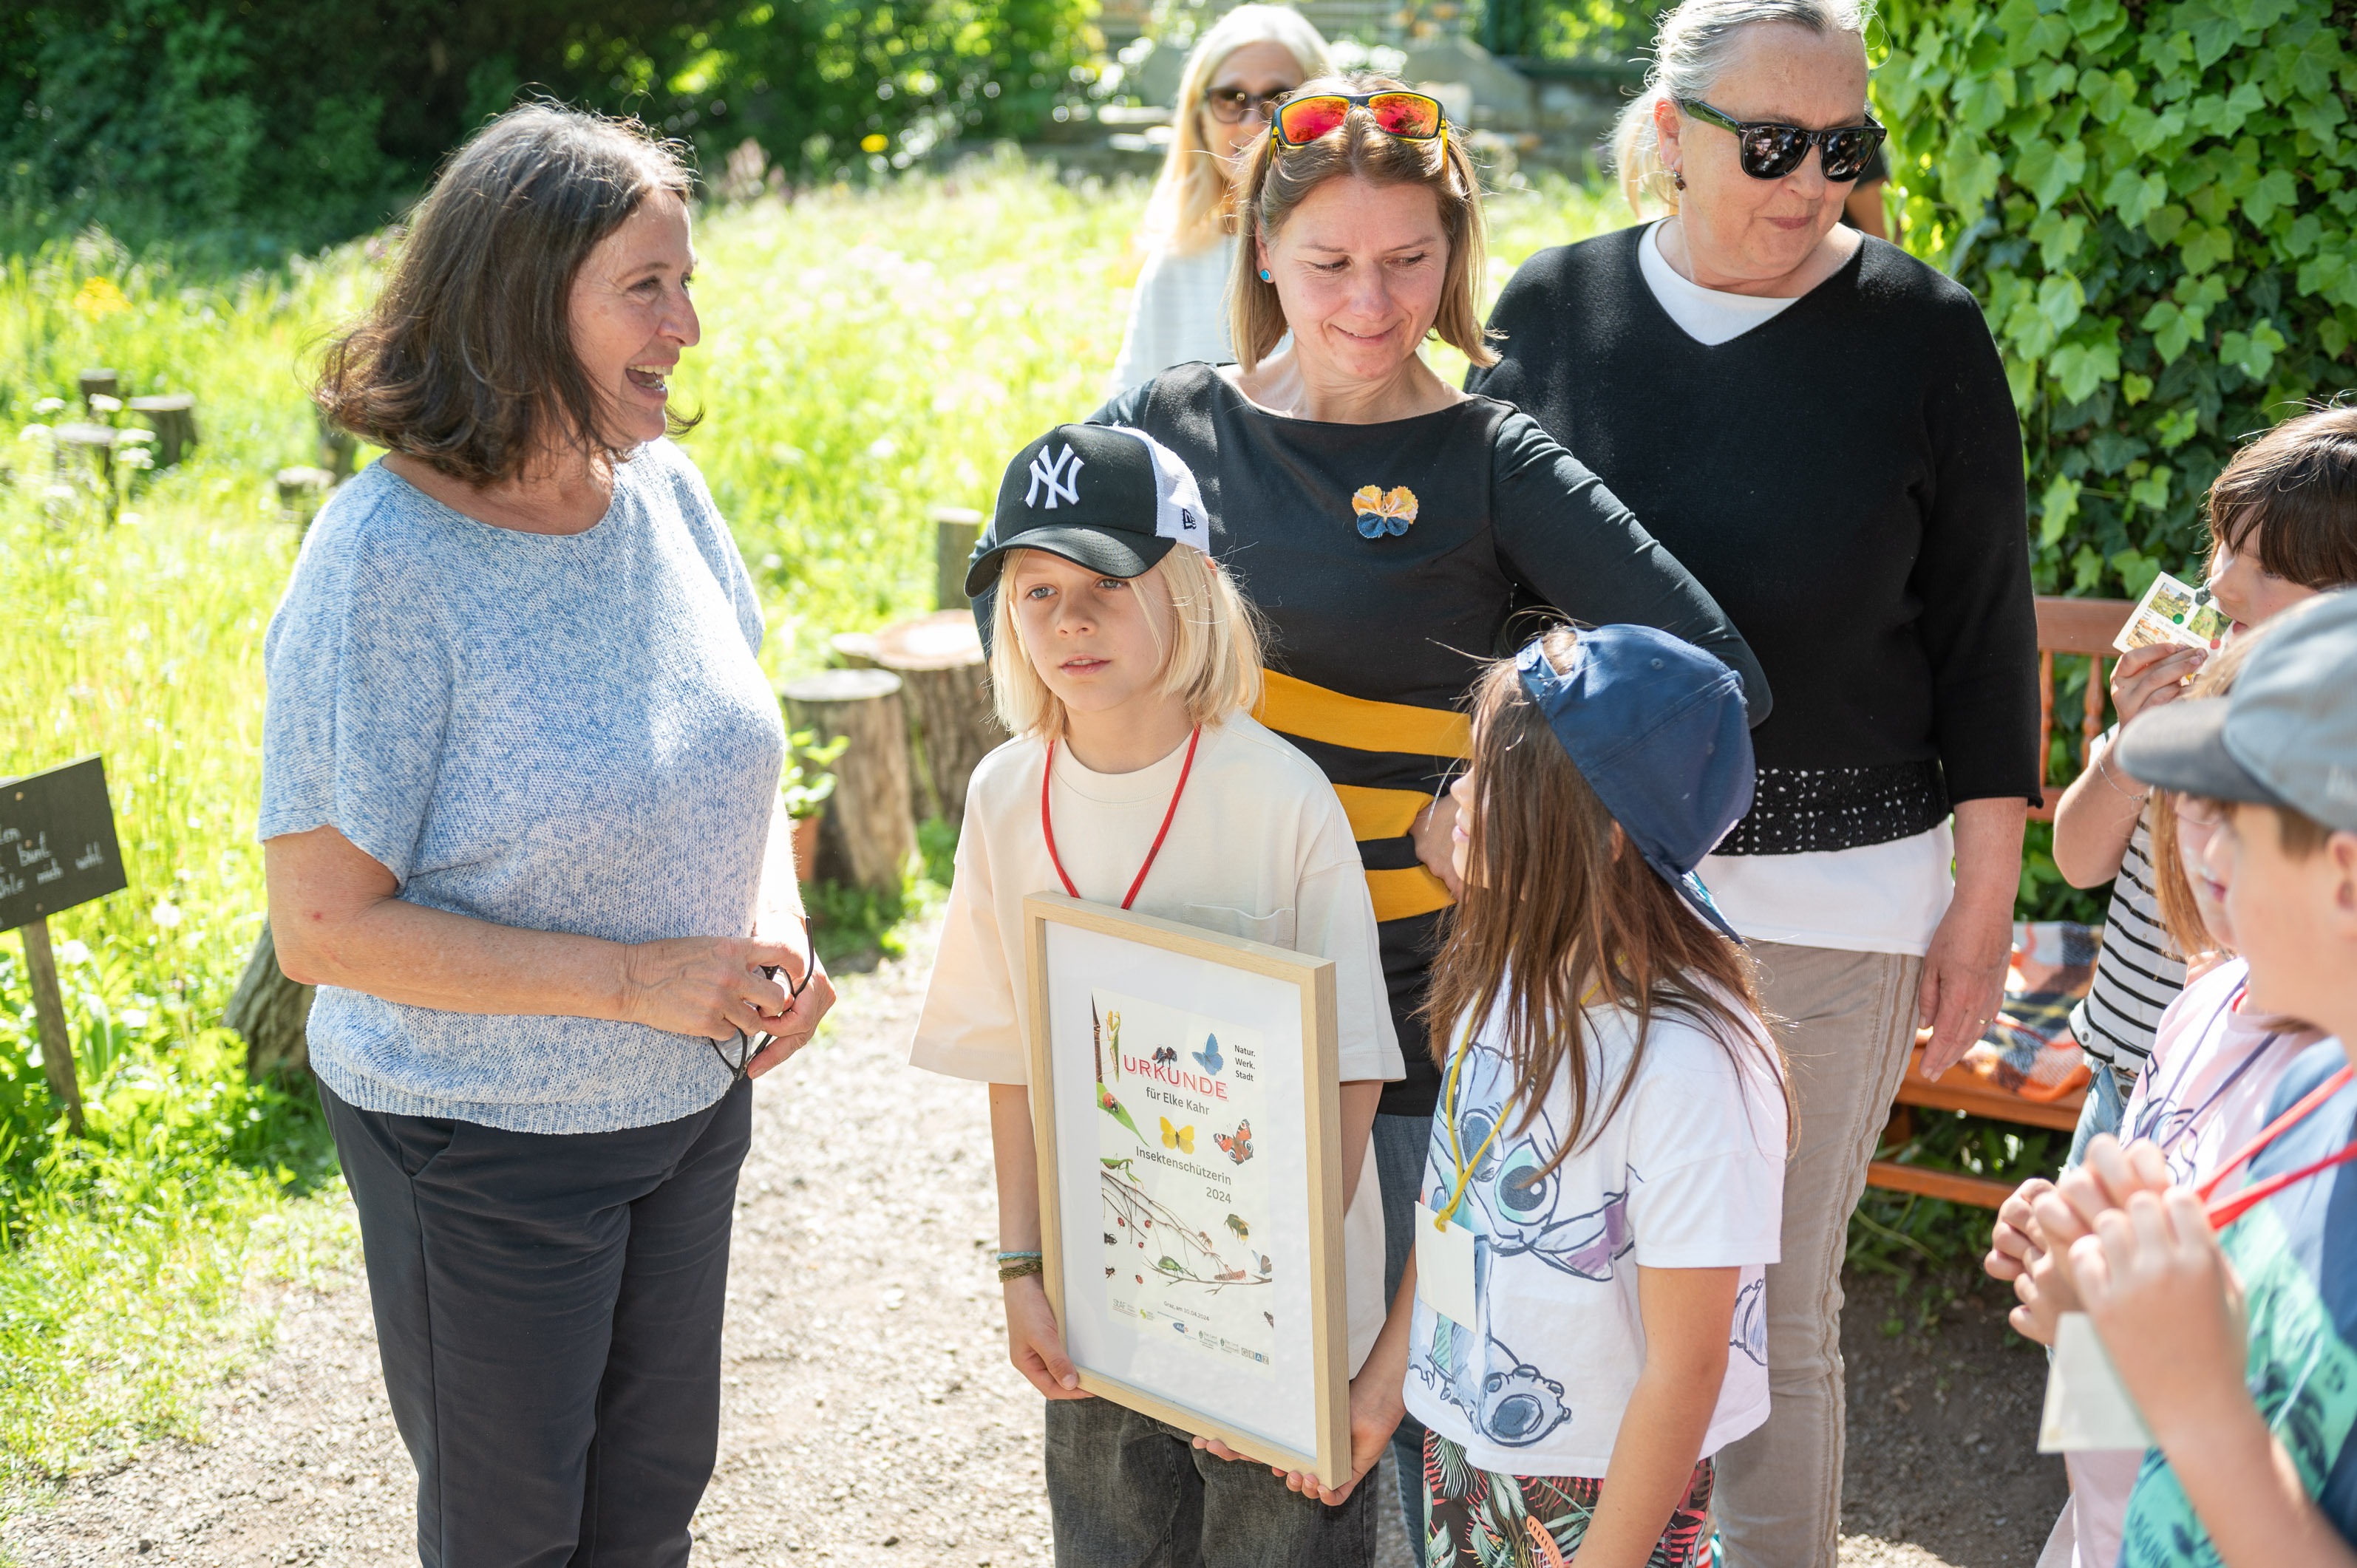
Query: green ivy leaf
1972,170
2134,196
2151,491
2175,427
2310,70
2017,20
2057,236
2273,193
2172,333
1982,101
2060,300
2081,368
2210,31
2207,247
2165,222
2135,388
2055,512
2252,352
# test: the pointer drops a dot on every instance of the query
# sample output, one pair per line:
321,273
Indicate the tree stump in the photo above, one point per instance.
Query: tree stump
866,835
174,417
98,440
955,528
339,447
100,383
272,1012
940,662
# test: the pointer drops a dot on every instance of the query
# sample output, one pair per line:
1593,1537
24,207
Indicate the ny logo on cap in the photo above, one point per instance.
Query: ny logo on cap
1062,476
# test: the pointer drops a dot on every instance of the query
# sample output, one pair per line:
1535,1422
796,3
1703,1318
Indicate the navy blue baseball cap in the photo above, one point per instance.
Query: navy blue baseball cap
1657,728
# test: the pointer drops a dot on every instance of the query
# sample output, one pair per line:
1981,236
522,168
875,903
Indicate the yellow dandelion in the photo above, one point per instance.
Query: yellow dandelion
875,143
99,297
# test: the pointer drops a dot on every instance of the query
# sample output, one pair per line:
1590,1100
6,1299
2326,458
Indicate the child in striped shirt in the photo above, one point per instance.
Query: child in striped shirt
2283,525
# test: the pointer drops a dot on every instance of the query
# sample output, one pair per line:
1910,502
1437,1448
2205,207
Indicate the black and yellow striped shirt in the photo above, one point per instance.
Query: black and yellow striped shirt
1375,641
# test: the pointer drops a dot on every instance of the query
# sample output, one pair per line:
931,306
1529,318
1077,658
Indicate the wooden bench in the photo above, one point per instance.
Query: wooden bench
2079,627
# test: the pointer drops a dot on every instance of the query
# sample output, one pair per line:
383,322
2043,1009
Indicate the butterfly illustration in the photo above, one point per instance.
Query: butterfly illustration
1236,1224
1238,1148
1109,1239
1208,1058
1108,1274
1272,1319
1181,1138
1264,1263
1165,1054
1384,511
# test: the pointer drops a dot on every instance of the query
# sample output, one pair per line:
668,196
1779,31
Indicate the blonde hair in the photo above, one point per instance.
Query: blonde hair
1213,661
1191,203
1697,41
1278,180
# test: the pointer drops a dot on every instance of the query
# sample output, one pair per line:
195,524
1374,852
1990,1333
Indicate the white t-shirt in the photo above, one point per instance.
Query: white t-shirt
1880,898
1689,1173
1259,848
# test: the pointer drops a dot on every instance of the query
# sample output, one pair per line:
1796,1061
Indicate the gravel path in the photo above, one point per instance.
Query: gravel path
868,1415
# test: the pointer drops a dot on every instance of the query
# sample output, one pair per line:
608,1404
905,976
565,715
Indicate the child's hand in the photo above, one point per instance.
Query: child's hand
2013,1247
1375,1412
2148,676
1436,849
1034,1343
2045,1291
2168,1308
2108,1178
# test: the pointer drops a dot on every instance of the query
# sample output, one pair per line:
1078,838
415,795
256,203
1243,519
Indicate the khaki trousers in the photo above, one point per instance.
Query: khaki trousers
1846,1020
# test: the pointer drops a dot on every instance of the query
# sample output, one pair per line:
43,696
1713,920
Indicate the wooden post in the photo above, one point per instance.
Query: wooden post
939,660
100,383
955,528
337,447
273,1013
868,832
50,1006
174,417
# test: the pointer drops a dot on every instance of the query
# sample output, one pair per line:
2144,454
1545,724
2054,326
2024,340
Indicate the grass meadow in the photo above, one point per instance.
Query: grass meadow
865,355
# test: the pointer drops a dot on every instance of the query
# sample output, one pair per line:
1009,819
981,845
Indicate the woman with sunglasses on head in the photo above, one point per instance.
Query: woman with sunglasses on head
521,826
1820,427
1389,525
1235,76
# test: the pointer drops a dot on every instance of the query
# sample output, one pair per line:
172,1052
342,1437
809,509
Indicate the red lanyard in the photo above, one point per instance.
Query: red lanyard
2223,1214
1048,827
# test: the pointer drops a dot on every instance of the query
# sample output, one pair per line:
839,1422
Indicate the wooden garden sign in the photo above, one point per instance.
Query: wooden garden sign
58,849
1188,1118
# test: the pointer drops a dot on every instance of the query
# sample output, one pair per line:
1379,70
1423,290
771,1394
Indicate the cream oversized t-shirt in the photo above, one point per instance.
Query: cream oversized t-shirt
1259,848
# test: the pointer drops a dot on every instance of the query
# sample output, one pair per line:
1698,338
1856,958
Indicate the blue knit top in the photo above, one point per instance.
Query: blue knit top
561,733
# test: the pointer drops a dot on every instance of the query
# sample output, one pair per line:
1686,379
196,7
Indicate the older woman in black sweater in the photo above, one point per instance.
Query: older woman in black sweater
1819,427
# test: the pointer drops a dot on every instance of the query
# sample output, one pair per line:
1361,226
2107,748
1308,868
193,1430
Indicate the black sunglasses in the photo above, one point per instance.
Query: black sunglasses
1768,151
747,1049
1235,106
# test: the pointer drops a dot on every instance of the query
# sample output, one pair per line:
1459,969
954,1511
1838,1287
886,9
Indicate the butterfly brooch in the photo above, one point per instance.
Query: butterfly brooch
1238,1148
1381,512
1181,1138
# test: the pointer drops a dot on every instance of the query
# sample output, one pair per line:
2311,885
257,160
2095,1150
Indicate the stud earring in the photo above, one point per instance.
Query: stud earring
1264,277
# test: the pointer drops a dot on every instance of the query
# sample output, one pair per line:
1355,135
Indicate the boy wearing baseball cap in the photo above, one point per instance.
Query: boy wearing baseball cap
2230,1311
1126,664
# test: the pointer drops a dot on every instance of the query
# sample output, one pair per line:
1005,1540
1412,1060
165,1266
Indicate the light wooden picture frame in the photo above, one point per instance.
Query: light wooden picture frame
1190,1177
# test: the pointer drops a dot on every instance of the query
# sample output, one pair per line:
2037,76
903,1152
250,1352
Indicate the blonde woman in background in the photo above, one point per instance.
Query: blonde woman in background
1252,56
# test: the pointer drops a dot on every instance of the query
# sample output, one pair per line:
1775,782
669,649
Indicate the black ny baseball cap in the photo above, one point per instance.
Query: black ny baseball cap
1109,498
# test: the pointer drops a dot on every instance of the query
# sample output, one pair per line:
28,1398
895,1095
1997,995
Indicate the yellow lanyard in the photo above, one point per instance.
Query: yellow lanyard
1448,1113
1456,1148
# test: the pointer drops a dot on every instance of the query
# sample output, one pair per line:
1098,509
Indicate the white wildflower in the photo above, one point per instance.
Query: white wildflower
168,914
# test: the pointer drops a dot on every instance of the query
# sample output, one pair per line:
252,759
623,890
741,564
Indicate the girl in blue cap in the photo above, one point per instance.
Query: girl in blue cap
1604,1183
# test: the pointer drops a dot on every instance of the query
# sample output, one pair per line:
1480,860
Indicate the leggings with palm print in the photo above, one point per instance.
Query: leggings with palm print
1480,1519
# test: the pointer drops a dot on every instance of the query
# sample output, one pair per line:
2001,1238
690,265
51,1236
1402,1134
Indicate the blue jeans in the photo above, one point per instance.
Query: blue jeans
2101,1113
1401,1143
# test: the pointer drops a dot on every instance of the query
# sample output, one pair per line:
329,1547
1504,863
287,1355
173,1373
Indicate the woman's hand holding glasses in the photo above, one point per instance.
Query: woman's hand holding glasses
725,990
809,996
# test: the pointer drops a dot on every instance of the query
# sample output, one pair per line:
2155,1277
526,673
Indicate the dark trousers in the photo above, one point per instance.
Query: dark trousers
548,1312
1125,1490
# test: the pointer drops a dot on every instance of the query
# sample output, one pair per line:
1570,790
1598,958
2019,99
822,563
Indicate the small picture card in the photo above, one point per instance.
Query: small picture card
2178,612
2087,1407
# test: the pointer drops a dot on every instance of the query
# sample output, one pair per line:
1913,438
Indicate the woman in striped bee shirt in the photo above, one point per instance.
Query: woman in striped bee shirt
1389,525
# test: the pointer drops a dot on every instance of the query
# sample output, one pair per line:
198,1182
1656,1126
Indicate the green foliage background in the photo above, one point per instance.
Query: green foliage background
2154,204
268,125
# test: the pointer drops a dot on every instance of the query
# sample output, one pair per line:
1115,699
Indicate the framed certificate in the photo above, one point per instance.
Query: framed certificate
1189,1123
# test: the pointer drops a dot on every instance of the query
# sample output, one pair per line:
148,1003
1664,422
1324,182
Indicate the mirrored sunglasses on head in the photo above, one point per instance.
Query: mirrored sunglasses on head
1235,106
1769,151
1403,115
737,1056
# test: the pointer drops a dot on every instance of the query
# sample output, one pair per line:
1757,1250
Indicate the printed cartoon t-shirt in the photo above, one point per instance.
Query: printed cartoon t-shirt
1688,1175
2298,1269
